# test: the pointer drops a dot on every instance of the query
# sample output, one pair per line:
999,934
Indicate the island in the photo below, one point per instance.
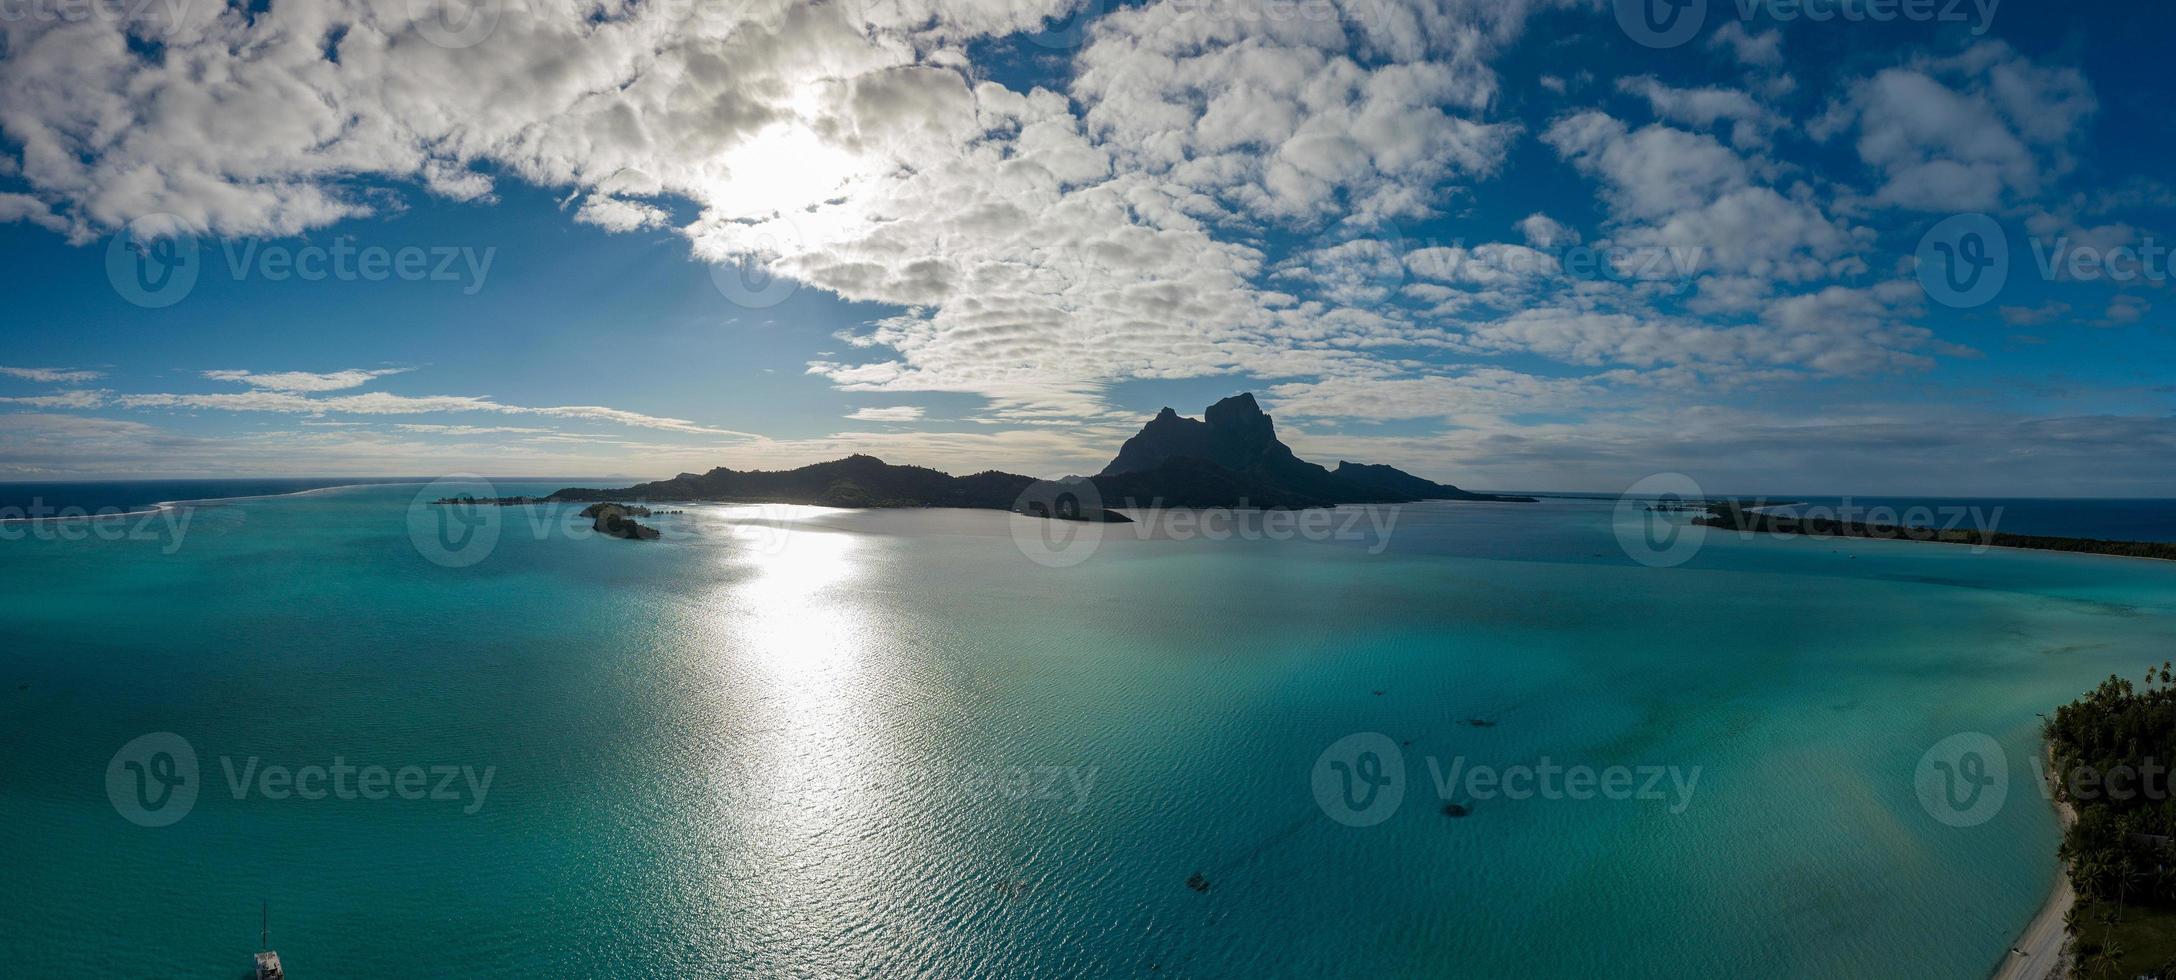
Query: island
1229,458
1745,516
618,520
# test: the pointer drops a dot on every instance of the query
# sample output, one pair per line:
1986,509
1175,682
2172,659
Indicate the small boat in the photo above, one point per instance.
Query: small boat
268,961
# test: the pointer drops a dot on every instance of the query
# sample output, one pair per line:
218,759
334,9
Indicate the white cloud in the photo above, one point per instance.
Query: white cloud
1494,264
467,430
384,403
52,375
1476,395
1704,107
1763,50
1686,193
1966,133
303,381
23,207
1542,231
895,413
613,214
67,399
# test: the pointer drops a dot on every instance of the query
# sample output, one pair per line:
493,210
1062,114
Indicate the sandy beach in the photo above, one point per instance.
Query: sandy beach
2038,951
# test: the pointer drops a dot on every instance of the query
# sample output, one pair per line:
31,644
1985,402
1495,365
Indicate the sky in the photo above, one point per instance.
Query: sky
1871,247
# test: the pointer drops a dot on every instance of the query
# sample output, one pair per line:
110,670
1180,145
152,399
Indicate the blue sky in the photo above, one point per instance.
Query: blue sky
1505,244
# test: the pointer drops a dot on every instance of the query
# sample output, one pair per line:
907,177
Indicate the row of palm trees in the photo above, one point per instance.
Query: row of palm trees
2118,852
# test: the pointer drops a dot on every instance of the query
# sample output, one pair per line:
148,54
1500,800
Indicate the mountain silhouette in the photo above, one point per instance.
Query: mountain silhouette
1232,453
1230,457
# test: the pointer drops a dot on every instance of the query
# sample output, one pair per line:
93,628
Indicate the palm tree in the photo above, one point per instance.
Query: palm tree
2091,873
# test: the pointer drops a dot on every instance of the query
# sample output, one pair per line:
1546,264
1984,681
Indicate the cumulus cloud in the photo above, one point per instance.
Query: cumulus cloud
1542,231
23,207
1763,50
1969,132
1703,107
1668,188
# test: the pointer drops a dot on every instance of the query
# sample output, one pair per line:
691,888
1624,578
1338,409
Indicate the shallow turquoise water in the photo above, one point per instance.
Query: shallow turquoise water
806,743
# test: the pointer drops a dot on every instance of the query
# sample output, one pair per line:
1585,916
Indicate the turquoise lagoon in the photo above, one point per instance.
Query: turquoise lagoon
788,742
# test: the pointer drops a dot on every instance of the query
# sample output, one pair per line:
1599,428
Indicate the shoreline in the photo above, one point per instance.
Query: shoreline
2037,954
